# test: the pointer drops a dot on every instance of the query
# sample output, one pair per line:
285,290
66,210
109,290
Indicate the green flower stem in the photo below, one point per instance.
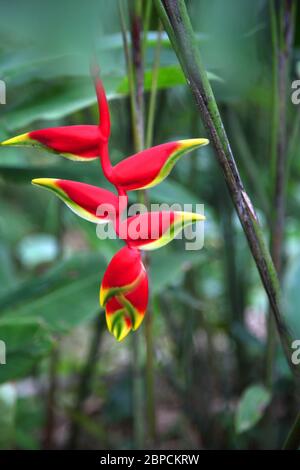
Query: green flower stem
137,393
138,125
146,24
138,53
153,92
130,74
151,415
175,18
135,71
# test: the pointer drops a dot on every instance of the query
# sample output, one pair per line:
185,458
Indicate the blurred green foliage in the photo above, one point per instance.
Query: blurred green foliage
209,306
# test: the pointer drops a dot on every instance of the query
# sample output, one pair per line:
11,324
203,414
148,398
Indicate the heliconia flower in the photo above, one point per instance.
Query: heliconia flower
81,142
152,230
124,292
83,199
124,289
151,166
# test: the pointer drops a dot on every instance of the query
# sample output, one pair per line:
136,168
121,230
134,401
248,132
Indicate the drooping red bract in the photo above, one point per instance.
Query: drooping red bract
141,169
81,142
152,230
71,141
92,203
151,166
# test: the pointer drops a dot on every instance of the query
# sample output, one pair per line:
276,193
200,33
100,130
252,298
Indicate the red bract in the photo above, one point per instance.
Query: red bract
73,142
89,202
150,167
84,142
152,230
124,289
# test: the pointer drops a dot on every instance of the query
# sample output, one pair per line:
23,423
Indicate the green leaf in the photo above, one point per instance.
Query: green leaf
64,297
8,400
251,407
172,192
26,341
62,97
29,420
168,267
55,101
24,173
169,76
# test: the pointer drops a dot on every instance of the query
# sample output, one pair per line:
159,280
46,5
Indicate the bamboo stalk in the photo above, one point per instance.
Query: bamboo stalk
174,16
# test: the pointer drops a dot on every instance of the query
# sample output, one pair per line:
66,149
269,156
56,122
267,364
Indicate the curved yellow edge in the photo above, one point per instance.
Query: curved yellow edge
185,219
184,146
50,185
106,293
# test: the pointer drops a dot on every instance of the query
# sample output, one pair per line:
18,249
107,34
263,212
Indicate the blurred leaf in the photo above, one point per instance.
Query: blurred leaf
251,407
172,192
54,102
6,269
24,173
168,76
169,267
64,297
60,98
292,296
26,340
8,399
19,222
29,419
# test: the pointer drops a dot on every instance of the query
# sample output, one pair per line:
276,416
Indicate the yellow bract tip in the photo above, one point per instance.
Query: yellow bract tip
187,143
18,140
120,332
48,182
191,216
102,296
